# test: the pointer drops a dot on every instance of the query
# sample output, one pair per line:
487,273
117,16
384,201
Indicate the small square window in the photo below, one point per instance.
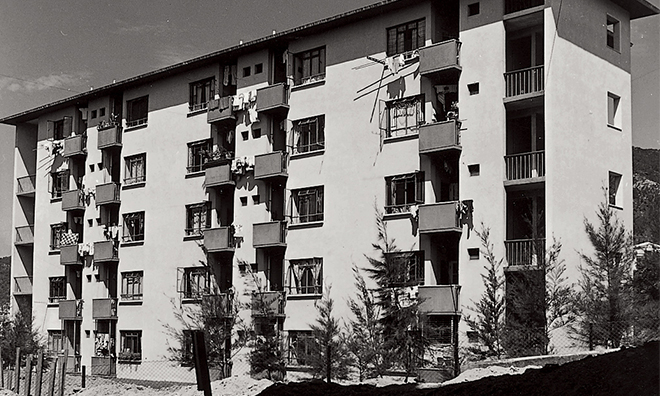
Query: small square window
243,201
614,190
133,227
474,169
256,133
102,112
93,114
247,71
613,113
258,68
473,9
245,135
613,33
474,253
473,88
255,199
138,112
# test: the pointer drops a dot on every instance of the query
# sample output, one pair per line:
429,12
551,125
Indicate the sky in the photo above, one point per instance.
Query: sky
53,49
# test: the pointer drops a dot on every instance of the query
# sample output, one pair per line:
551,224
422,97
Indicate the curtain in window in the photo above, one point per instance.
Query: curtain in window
305,276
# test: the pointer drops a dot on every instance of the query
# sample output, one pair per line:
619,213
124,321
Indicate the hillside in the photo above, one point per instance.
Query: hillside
646,195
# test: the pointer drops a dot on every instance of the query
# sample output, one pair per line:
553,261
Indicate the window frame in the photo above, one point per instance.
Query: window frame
134,120
613,33
314,204
56,231
300,341
198,210
307,129
391,198
131,163
131,346
192,290
304,64
613,110
614,190
55,284
416,103
59,183
55,338
393,35
413,273
198,91
299,285
130,233
198,152
132,281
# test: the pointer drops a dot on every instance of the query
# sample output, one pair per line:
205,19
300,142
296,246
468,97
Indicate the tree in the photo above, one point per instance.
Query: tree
489,322
364,333
17,331
330,357
604,316
645,297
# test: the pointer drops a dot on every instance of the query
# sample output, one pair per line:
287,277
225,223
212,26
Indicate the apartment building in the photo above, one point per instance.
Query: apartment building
271,157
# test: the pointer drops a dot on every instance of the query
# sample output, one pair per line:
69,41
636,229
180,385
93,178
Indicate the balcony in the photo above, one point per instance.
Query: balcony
74,146
71,309
218,176
218,240
105,251
24,235
25,186
104,365
525,168
524,84
271,234
107,194
218,306
273,98
69,255
439,217
104,308
270,166
73,200
512,6
270,303
439,62
439,137
22,286
109,136
220,110
440,299
525,252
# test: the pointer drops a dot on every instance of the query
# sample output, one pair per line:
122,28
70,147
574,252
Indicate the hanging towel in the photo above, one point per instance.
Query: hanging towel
225,75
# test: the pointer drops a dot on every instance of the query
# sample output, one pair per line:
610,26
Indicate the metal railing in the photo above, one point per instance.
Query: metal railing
525,251
525,165
511,6
524,81
25,184
135,123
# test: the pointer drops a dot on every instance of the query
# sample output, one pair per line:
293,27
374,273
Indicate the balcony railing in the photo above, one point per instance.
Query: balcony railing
75,145
220,110
268,303
22,285
219,239
524,81
105,251
104,365
25,185
218,176
525,252
25,235
271,165
438,57
439,136
69,255
73,200
109,137
107,194
71,309
525,165
273,98
439,217
271,234
511,6
104,308
218,305
440,299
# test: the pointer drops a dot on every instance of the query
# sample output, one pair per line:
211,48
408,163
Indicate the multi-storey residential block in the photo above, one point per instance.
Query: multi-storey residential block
165,189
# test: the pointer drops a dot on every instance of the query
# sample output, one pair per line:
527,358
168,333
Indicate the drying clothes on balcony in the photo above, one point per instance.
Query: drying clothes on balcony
238,230
225,102
86,249
69,238
239,102
253,96
394,63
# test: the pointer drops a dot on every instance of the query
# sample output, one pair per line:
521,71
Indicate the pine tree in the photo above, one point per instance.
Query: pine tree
645,298
17,331
330,357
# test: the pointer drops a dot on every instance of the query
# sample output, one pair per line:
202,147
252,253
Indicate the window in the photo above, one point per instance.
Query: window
305,276
60,129
133,229
614,193
302,347
59,183
474,169
613,113
193,282
198,218
473,253
613,33
131,346
309,134
200,94
102,112
197,155
473,88
309,66
406,37
137,111
439,329
93,114
407,268
247,71
135,169
403,117
57,289
473,9
258,68
403,191
307,205
56,233
131,285
55,341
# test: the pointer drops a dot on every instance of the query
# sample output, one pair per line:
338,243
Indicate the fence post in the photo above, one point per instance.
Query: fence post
201,366
2,371
40,366
28,374
17,371
63,375
82,379
51,379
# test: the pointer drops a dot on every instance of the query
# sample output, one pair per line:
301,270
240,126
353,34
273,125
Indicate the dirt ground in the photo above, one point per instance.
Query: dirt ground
634,371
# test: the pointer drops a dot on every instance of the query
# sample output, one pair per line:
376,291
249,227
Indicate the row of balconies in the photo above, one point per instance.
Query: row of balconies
102,309
106,194
104,251
77,145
